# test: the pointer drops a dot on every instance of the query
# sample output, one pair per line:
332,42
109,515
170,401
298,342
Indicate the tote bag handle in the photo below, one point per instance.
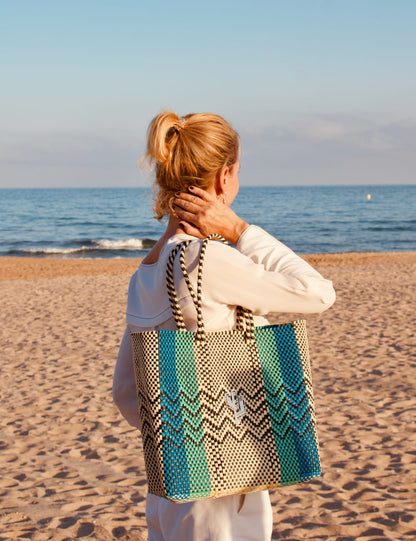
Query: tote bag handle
245,321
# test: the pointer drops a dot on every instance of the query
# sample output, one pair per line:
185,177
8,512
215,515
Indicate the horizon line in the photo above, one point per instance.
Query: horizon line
241,186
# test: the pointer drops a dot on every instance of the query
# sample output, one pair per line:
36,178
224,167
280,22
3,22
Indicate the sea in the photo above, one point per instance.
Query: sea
118,222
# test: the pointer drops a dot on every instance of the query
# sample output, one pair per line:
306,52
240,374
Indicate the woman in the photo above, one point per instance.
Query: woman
196,160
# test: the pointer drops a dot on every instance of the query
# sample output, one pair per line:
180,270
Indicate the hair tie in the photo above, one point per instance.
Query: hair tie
179,125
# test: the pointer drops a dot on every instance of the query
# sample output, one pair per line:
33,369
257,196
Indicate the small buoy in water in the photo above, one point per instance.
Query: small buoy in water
368,196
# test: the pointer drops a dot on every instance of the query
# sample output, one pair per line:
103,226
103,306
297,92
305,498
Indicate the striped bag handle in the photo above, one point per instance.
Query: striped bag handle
244,316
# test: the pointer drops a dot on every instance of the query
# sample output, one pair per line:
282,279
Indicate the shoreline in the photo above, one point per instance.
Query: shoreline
31,268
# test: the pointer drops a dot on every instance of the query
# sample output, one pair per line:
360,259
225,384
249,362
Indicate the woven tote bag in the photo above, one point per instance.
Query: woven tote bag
224,412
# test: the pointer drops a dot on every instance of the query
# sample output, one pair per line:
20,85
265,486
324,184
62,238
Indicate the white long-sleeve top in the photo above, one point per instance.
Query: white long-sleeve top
261,274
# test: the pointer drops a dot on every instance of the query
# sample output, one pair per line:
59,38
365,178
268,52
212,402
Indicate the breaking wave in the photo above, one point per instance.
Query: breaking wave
93,248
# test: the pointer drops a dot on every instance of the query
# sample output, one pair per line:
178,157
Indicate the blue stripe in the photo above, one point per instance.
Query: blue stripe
186,373
277,404
298,402
175,463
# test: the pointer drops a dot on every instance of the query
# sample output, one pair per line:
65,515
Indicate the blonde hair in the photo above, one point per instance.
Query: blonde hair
187,151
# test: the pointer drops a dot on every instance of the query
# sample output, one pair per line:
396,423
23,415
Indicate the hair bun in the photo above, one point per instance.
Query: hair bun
184,157
159,136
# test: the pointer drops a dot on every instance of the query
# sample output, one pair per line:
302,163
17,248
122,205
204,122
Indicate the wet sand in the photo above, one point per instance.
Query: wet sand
73,468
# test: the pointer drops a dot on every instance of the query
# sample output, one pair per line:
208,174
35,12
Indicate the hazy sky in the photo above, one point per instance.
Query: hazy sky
321,91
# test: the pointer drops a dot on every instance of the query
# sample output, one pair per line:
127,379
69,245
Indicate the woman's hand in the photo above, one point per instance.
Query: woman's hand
201,214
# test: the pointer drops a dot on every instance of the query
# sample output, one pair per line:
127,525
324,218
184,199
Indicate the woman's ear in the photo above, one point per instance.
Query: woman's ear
221,180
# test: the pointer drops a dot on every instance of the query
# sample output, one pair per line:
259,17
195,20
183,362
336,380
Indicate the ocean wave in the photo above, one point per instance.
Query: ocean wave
51,251
92,247
391,228
126,244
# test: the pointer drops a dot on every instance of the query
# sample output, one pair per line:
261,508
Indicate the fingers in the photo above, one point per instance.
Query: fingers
186,204
189,229
201,213
190,217
186,199
203,194
193,204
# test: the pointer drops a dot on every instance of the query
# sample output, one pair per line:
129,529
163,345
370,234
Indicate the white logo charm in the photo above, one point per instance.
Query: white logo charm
236,402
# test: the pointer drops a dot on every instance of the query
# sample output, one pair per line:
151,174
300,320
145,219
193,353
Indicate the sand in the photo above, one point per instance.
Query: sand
71,467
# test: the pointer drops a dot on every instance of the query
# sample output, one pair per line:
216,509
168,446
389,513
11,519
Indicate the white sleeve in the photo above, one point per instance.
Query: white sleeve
124,383
265,276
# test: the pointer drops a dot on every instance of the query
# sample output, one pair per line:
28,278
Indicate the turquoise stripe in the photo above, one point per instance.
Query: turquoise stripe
199,479
175,463
279,415
298,403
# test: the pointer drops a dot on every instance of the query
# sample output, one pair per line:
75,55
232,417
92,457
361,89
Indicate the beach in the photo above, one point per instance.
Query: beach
73,468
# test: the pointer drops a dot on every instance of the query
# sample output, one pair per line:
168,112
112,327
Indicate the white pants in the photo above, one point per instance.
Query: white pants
231,518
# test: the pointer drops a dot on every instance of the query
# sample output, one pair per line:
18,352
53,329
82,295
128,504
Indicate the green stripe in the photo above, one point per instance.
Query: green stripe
174,452
278,410
200,485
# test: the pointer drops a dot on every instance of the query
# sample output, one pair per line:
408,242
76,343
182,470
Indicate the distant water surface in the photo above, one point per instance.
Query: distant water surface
118,222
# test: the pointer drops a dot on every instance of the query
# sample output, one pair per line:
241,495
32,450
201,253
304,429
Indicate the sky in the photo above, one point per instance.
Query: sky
321,91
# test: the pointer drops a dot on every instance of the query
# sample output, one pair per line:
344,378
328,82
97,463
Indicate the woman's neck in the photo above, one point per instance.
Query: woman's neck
171,229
